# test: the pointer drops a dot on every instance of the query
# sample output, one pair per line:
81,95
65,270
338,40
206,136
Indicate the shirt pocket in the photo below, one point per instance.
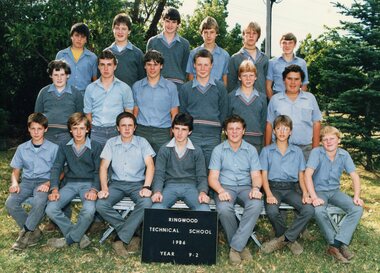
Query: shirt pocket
306,114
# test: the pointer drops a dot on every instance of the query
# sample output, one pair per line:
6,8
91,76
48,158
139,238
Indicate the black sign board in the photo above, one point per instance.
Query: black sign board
179,236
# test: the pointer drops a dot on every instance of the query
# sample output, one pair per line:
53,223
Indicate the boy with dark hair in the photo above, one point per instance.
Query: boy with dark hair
209,30
173,47
81,60
57,101
156,102
180,171
274,81
283,166
130,58
82,157
35,159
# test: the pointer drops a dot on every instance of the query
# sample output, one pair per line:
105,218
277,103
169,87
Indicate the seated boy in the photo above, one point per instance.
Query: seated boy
249,104
35,158
180,172
323,171
82,157
283,166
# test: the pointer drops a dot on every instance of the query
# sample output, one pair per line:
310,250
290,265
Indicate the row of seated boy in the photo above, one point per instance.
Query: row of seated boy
236,174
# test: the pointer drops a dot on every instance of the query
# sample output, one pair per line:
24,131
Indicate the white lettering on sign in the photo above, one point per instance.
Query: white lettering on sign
167,253
200,231
163,230
183,220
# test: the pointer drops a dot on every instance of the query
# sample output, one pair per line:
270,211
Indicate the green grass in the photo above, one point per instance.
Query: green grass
101,258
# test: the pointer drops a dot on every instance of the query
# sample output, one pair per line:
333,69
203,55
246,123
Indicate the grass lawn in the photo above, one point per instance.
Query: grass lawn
101,258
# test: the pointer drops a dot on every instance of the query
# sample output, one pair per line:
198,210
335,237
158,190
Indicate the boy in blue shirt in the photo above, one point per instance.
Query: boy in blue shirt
82,157
323,171
35,159
180,172
283,166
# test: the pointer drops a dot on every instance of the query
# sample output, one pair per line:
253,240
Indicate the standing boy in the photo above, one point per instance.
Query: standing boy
81,60
82,157
180,171
323,171
131,160
274,82
156,102
175,48
35,159
205,99
249,104
209,29
105,99
129,58
283,166
235,177
249,51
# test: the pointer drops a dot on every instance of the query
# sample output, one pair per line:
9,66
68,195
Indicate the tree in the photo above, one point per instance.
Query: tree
344,68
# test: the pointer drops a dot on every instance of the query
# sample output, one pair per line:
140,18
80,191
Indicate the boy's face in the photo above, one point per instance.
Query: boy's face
121,33
79,132
203,67
287,46
170,26
126,127
293,82
235,132
282,132
78,40
247,79
107,68
250,38
153,69
181,132
59,78
36,131
209,36
330,142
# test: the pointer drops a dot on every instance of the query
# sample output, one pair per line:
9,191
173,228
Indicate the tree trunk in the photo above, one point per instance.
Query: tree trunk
156,18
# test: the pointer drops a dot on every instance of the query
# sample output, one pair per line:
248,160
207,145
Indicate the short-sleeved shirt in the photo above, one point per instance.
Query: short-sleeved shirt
219,64
235,167
106,105
155,102
35,163
327,173
304,111
277,66
282,168
127,159
83,70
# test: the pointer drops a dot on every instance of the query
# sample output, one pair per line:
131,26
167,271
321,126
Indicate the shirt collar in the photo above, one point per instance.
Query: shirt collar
189,144
294,57
145,82
216,50
243,146
211,81
120,142
86,144
162,36
29,145
239,92
291,148
67,89
99,82
127,46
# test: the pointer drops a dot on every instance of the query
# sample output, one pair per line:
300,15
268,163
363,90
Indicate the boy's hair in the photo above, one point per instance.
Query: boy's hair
125,115
38,118
293,68
203,53
155,56
283,120
107,54
171,14
77,118
209,23
232,119
289,37
253,26
183,119
329,130
247,66
58,65
122,18
80,28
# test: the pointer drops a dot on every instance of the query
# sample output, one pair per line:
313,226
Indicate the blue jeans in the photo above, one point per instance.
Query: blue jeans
238,233
349,223
102,134
125,228
188,193
28,188
86,214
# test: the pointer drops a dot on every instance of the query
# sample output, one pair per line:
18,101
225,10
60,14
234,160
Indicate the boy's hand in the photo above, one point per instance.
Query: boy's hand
103,194
44,187
14,188
272,200
54,196
224,196
255,193
157,197
203,198
91,195
318,202
306,199
145,192
358,201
